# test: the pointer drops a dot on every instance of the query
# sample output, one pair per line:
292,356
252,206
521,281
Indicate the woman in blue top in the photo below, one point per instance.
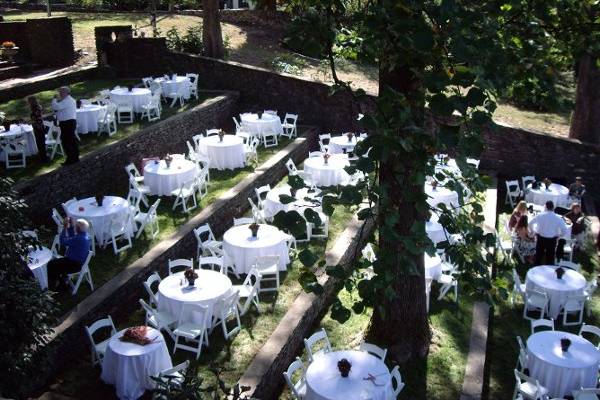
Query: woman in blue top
75,238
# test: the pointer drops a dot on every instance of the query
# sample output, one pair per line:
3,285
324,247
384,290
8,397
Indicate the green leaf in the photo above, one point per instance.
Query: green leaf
312,216
476,97
441,105
286,199
340,313
336,271
307,258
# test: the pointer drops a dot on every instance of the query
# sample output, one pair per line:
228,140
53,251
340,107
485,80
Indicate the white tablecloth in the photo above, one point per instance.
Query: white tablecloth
266,123
441,195
543,278
561,372
338,144
129,366
138,97
16,130
433,266
162,180
324,382
327,175
273,205
243,248
99,217
435,231
87,118
228,154
208,289
37,260
449,167
556,193
180,85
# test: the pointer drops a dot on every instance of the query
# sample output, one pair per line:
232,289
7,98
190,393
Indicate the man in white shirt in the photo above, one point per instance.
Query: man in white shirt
548,226
65,109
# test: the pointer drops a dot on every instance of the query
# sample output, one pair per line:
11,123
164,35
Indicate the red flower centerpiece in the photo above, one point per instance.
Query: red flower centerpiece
221,135
168,160
254,229
190,275
344,366
326,158
137,335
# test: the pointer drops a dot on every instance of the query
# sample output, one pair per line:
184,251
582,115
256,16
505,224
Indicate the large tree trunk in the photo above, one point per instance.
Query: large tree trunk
585,123
212,37
401,322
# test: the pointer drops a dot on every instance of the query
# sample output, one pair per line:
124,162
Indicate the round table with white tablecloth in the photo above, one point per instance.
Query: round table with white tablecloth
556,193
433,266
543,279
130,366
37,261
210,287
88,116
329,174
243,248
266,123
176,84
272,204
341,144
369,377
562,372
441,195
226,154
17,130
100,217
138,97
449,167
435,231
162,180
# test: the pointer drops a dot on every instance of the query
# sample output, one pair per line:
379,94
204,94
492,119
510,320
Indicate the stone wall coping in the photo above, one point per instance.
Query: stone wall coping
96,298
474,374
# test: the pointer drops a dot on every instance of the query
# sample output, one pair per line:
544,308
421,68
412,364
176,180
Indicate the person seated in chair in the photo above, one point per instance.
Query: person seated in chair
577,219
75,237
577,189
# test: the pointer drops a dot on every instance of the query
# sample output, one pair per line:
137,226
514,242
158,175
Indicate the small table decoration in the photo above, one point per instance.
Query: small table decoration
559,272
190,276
99,199
565,344
344,366
168,160
326,158
350,135
547,183
221,135
254,229
137,335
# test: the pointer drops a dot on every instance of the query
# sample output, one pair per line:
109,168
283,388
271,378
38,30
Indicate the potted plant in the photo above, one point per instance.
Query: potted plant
547,183
565,344
99,199
326,158
559,272
168,160
190,276
9,50
344,366
254,229
350,135
221,135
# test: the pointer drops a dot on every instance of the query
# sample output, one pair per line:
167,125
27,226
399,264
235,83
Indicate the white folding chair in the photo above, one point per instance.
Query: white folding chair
98,349
268,268
243,221
269,138
107,120
518,287
541,323
175,376
228,309
161,320
211,263
574,305
523,358
258,214
324,140
528,387
526,180
315,154
53,140
318,343
125,113
594,330
293,170
428,282
152,109
289,125
226,261
397,384
568,250
147,81
179,265
183,194
588,292
154,278
143,189
318,232
586,394
448,282
298,386
121,226
148,219
373,349
251,150
193,84
248,291
513,192
205,240
535,300
201,183
78,277
15,152
261,194
134,173
192,331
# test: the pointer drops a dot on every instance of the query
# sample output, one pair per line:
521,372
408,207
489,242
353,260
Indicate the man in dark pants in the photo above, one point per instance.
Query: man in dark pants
77,241
65,108
548,226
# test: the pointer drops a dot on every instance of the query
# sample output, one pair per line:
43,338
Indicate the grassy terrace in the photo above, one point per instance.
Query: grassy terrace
18,109
234,356
508,322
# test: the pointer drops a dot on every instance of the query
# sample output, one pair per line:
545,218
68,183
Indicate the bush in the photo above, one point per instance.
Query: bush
289,64
26,312
191,42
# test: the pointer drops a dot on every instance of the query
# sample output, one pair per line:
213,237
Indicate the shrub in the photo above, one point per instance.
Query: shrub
191,42
289,64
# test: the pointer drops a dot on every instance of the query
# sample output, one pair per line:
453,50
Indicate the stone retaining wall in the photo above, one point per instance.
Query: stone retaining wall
104,167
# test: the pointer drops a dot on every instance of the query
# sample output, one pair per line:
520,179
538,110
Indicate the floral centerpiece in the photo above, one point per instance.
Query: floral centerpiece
559,272
137,335
191,276
99,199
168,160
9,50
221,135
344,366
350,135
565,344
326,158
434,185
254,229
8,45
547,183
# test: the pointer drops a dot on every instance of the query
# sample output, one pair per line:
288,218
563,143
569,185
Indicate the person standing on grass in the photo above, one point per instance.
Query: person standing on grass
65,108
39,130
548,226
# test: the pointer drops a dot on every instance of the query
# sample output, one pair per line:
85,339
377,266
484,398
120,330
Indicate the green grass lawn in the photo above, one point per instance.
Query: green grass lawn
82,380
18,109
508,322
